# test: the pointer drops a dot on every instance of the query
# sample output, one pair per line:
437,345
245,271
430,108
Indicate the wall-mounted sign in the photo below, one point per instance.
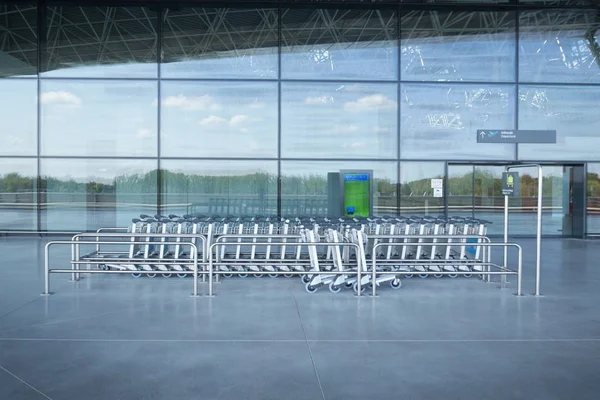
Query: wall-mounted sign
437,183
437,192
515,136
510,184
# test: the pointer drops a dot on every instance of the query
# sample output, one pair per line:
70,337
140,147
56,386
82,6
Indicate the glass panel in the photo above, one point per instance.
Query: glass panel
18,40
18,117
593,198
488,198
98,118
458,46
440,121
559,46
569,110
560,2
84,195
476,2
218,119
329,120
219,43
100,42
416,195
460,191
232,187
307,188
339,44
18,197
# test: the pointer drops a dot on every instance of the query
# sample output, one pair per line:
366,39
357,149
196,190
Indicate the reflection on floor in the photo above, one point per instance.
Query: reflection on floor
116,337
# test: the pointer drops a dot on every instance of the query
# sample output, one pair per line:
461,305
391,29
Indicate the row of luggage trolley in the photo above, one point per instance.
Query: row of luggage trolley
351,253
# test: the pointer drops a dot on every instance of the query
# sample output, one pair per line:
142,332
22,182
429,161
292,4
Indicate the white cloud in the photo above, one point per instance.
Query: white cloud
144,133
353,145
345,128
212,120
60,97
318,100
15,139
238,120
192,103
256,105
372,102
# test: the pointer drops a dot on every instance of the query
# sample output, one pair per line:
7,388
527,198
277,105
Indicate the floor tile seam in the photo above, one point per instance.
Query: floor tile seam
77,318
20,307
312,359
574,340
25,383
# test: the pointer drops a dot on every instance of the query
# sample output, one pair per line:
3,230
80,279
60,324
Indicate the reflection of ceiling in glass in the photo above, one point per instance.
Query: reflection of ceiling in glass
87,36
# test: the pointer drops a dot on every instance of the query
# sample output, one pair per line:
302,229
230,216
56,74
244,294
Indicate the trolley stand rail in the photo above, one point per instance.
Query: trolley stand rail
538,241
503,269
132,237
47,269
218,243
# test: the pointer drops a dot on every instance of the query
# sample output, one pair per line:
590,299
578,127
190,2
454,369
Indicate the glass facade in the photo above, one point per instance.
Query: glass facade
108,111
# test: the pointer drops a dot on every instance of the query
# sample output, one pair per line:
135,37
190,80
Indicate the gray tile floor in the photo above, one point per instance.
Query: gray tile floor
116,337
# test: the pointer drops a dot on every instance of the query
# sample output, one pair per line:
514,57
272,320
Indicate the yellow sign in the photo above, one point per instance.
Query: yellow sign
510,181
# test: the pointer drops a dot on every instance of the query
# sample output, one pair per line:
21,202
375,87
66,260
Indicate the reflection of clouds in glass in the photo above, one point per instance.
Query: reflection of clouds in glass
244,122
371,102
318,100
213,120
144,133
60,97
192,103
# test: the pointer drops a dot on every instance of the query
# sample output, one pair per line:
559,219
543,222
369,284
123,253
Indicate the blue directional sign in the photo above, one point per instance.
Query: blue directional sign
515,136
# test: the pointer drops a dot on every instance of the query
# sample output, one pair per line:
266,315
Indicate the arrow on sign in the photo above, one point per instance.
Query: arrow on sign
482,134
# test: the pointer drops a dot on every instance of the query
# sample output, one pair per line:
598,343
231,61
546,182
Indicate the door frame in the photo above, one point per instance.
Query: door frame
474,164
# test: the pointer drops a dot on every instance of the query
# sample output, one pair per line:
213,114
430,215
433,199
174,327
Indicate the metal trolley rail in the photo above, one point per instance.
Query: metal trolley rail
95,258
214,258
486,262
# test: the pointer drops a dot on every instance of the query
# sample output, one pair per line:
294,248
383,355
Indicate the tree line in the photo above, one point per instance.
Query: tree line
483,183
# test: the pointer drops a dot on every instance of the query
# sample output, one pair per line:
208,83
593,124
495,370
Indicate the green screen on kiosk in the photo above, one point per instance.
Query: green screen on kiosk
357,194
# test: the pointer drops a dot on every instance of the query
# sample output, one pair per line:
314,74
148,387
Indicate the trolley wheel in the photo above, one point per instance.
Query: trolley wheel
348,285
151,275
166,275
182,275
227,275
408,276
333,288
288,275
453,276
423,276
136,275
305,278
438,275
309,288
467,275
363,289
396,283
243,275
258,275
273,275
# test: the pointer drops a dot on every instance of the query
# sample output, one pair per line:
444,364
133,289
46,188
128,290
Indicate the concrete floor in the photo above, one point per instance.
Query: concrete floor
116,337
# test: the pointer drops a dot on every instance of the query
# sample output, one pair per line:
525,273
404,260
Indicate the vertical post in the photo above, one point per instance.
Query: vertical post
210,268
503,279
373,272
195,250
519,271
359,261
539,231
46,270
